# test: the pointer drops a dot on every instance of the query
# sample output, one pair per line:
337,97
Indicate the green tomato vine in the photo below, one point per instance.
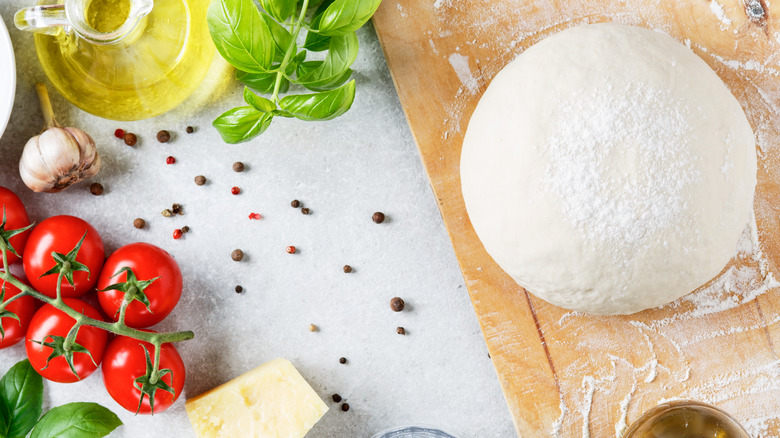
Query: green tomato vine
64,266
262,44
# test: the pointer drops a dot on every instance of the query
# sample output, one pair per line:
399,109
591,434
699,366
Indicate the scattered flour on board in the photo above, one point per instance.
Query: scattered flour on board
719,12
460,64
622,424
558,423
589,388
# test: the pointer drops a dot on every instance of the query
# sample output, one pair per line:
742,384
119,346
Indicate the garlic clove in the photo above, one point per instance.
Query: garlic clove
59,156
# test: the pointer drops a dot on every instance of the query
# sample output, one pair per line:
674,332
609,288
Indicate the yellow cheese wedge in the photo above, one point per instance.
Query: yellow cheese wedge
271,401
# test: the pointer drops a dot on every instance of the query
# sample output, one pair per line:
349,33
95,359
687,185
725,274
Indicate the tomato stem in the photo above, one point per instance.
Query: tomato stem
117,328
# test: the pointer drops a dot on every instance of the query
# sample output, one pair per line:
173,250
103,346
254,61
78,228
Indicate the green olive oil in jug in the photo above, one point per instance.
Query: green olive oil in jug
122,59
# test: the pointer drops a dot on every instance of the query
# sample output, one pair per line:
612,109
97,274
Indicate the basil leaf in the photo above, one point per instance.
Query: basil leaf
280,36
315,41
337,82
21,398
240,35
257,102
242,124
76,420
341,55
279,9
346,16
320,106
262,83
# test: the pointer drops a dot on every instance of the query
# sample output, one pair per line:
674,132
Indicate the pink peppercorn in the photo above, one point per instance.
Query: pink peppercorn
170,160
119,133
290,250
235,190
177,233
255,216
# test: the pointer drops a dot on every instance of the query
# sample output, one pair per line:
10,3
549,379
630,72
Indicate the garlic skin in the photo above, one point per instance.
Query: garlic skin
57,158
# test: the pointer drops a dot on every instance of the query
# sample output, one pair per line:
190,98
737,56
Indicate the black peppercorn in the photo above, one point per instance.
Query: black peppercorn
342,360
96,189
200,180
400,331
163,136
347,269
130,139
295,203
305,210
336,398
239,289
190,130
238,166
345,407
237,255
177,209
139,223
397,304
378,217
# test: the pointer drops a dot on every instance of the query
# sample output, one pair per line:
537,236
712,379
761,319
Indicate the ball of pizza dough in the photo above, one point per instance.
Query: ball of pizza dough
608,170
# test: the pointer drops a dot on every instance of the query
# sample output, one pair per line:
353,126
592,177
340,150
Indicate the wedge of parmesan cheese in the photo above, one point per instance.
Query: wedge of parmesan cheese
270,401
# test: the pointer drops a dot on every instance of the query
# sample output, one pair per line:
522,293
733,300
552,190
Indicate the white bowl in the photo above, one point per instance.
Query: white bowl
7,77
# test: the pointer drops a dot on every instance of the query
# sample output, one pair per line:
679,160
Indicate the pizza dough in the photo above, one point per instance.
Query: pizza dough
609,170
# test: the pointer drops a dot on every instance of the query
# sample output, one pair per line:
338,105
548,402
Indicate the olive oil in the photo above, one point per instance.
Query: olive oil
685,419
107,15
122,69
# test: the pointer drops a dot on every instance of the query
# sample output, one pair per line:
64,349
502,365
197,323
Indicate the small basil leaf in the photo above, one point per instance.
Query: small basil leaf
257,102
342,53
262,82
21,392
240,35
339,81
242,124
346,16
280,36
320,106
21,398
76,420
315,41
279,9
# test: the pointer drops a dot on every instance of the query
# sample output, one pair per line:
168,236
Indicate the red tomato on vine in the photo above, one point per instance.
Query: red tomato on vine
62,234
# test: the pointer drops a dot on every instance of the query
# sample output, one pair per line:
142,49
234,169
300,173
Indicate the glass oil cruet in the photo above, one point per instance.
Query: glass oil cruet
122,59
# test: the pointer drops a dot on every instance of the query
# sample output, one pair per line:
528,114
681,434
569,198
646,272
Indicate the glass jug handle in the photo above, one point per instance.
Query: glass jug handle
46,19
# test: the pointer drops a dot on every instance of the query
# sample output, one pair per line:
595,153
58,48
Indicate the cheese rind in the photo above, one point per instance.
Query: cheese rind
270,401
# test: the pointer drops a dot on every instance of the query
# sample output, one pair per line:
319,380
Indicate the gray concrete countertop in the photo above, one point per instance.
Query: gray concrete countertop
344,170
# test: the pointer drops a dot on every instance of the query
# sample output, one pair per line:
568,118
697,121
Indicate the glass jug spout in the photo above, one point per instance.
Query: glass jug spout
99,21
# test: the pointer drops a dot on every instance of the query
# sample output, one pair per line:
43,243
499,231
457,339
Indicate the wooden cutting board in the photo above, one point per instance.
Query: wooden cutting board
566,374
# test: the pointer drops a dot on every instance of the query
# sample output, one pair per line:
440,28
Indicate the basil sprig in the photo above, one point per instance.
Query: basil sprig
262,44
21,403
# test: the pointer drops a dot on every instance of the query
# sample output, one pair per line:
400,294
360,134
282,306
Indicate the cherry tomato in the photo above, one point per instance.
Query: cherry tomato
147,262
24,308
125,361
15,218
49,321
61,234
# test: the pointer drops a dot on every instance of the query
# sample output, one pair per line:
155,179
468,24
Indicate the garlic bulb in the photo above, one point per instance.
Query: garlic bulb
59,156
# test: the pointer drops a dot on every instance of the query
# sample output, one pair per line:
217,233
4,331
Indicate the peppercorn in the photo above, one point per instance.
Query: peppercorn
397,304
170,160
167,213
119,133
96,189
305,210
378,217
312,328
139,223
237,255
163,136
295,203
239,289
177,233
291,250
200,180
347,269
190,130
235,190
177,209
336,398
345,407
185,229
130,139
400,331
238,166
342,360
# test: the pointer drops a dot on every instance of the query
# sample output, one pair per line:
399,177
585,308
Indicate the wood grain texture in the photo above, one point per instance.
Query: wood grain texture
720,344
